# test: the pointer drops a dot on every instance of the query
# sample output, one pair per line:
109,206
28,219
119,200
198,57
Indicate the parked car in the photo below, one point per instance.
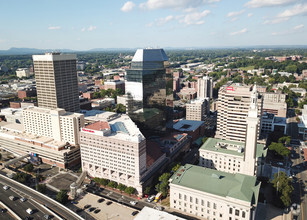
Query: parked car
91,209
100,200
78,210
133,202
96,211
86,206
134,213
6,187
74,202
109,203
151,198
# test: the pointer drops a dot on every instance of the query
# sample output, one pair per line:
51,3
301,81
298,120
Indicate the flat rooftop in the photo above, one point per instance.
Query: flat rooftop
187,125
153,214
237,186
230,147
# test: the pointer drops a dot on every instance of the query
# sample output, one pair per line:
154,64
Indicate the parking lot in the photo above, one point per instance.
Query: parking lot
113,211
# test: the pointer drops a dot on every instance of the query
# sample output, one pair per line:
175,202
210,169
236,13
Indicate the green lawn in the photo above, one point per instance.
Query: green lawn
247,68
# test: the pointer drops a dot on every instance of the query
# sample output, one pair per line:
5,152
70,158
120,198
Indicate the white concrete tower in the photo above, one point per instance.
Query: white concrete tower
252,121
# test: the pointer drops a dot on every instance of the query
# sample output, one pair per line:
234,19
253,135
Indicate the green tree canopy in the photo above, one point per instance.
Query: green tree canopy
130,190
280,149
29,167
62,196
112,184
284,140
283,185
121,187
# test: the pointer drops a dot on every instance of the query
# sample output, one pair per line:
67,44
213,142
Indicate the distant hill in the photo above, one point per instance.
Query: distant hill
25,51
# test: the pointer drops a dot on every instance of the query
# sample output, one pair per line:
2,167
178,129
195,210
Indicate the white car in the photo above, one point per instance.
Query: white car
23,199
133,202
6,187
151,198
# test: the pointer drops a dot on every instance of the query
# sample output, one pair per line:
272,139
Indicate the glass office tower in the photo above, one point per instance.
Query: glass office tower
148,90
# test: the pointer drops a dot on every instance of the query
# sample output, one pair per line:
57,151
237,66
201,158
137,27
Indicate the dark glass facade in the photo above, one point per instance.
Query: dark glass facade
149,89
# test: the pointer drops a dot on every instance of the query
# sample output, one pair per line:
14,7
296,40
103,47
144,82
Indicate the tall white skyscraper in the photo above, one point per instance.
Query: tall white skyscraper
204,87
57,81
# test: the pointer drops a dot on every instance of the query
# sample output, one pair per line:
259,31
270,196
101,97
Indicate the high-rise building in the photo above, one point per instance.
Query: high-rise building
56,81
233,107
205,87
148,90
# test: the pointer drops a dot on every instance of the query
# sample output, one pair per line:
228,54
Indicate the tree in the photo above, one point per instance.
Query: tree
283,185
163,185
120,108
147,190
21,177
112,184
121,187
176,167
130,190
41,188
29,167
280,149
291,68
62,196
284,140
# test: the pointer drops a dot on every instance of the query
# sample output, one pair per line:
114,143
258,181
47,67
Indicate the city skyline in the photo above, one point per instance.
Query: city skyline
152,23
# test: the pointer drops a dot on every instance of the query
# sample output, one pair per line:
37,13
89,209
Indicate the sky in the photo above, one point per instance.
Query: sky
84,25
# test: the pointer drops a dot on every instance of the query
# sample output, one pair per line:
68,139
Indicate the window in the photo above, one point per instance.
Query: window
180,196
208,204
230,210
243,214
237,212
185,197
196,201
214,205
191,199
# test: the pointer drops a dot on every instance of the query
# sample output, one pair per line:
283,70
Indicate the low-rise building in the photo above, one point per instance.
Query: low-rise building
212,194
228,156
22,72
154,214
194,129
275,103
102,103
14,139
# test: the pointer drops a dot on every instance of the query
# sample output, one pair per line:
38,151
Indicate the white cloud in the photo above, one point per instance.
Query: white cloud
235,13
128,6
91,28
193,18
250,14
267,3
174,4
149,24
244,30
162,21
275,20
299,9
83,29
234,19
297,27
54,28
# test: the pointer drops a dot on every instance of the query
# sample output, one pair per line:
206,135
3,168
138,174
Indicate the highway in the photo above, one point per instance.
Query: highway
60,210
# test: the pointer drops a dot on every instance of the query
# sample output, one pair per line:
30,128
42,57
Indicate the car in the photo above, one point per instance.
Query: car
74,202
160,208
133,202
23,199
28,218
3,210
134,213
87,206
13,198
6,187
96,211
47,216
100,200
91,209
79,210
109,203
29,211
151,198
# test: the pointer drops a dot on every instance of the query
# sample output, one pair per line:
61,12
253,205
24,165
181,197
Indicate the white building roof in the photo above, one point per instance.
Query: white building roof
143,55
187,125
153,214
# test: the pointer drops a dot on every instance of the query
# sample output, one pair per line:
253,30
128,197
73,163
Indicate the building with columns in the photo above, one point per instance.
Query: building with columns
212,194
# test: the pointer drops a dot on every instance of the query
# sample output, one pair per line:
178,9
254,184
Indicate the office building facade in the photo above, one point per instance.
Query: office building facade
233,106
148,90
56,81
198,109
205,87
